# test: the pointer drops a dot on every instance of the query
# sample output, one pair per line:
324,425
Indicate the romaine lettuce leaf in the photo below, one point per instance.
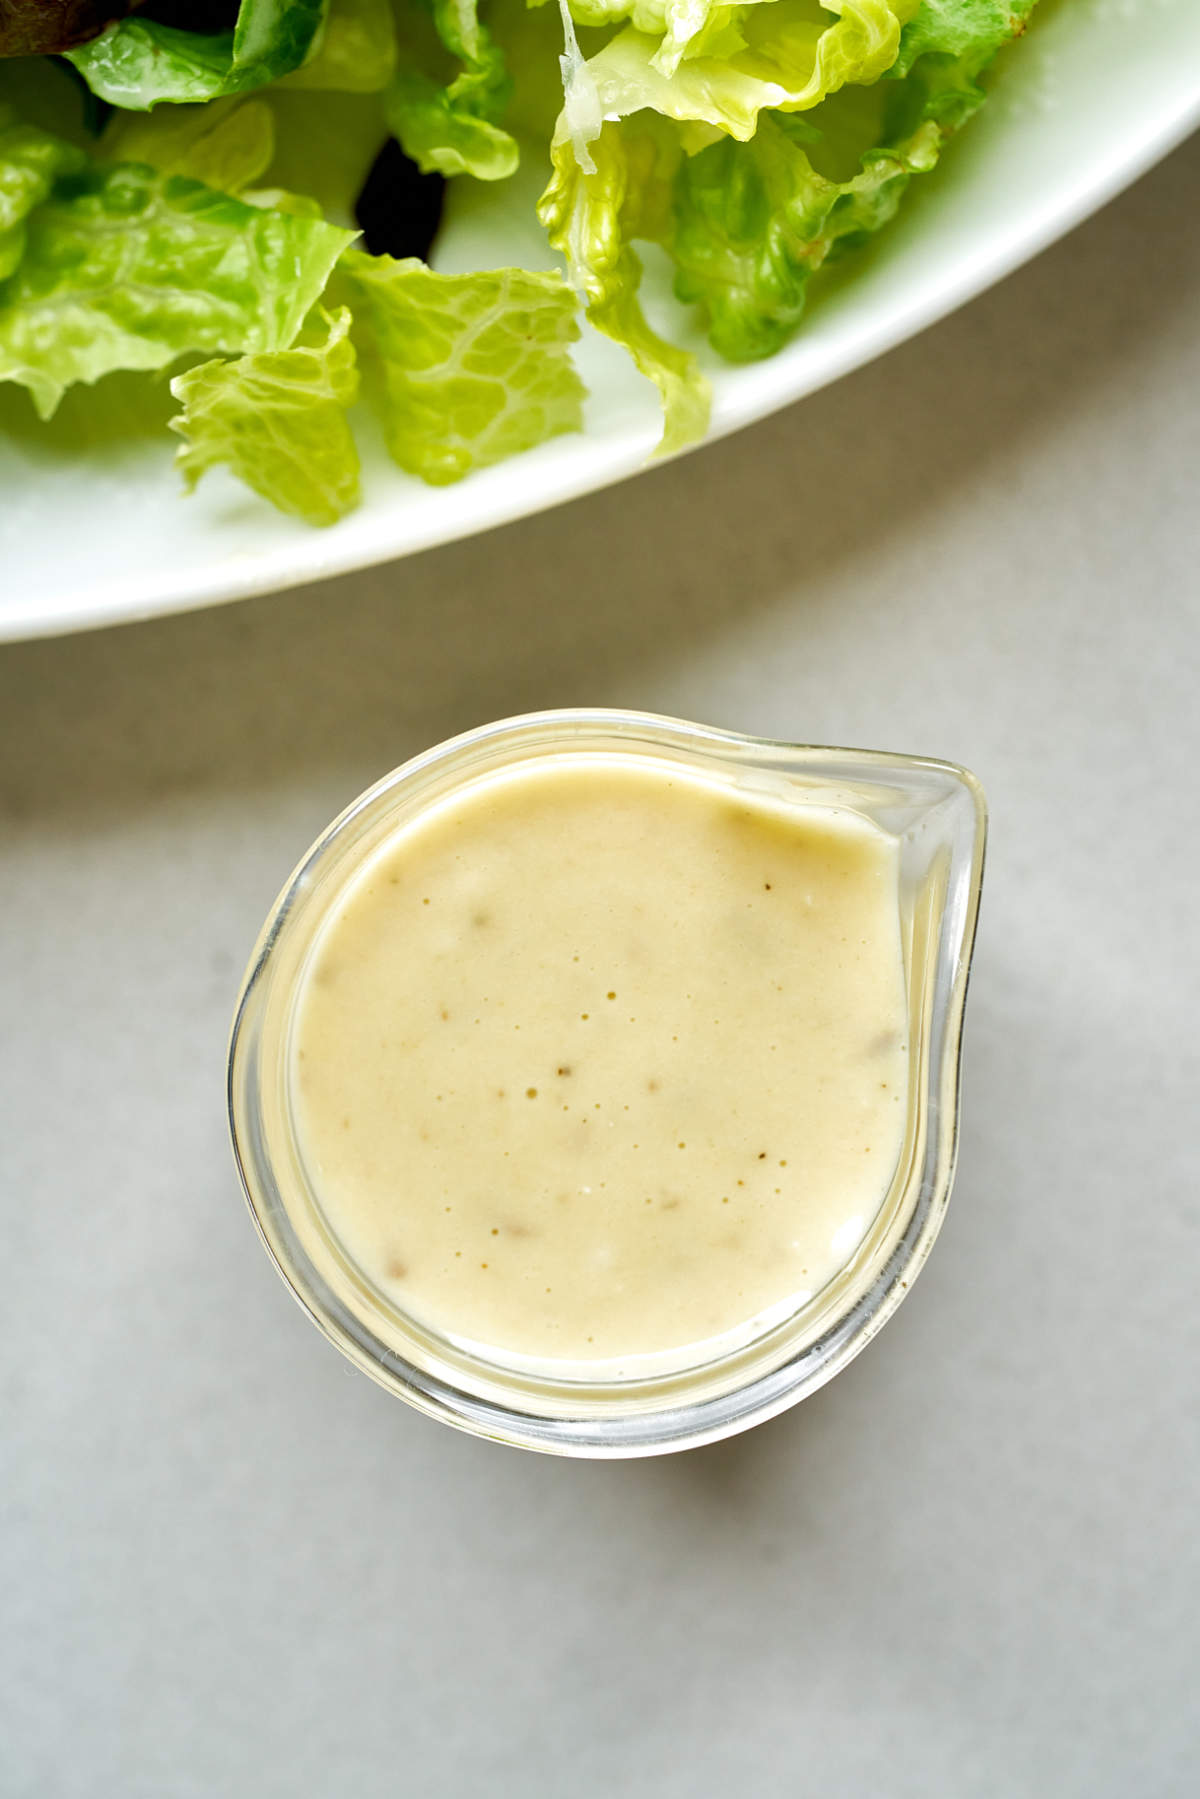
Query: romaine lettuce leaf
592,215
227,144
126,268
463,369
753,221
785,56
31,161
137,63
530,34
722,28
278,199
357,53
453,128
970,29
278,422
626,127
325,144
943,52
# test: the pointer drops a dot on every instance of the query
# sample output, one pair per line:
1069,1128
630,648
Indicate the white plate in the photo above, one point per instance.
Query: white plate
1098,91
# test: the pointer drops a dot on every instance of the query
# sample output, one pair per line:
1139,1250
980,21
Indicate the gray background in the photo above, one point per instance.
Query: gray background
233,1566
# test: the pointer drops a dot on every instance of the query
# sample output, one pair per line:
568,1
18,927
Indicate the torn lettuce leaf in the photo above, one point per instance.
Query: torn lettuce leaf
31,161
227,144
592,216
677,23
357,51
788,55
127,268
452,126
627,128
325,144
138,63
751,228
963,29
278,421
463,370
943,52
722,28
754,221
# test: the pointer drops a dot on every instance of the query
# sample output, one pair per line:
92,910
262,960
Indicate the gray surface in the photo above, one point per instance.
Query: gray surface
231,1566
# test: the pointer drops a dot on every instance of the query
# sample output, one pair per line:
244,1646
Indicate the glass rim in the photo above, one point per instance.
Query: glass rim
691,1421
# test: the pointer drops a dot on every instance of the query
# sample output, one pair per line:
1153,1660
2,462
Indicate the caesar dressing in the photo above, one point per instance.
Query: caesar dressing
599,1059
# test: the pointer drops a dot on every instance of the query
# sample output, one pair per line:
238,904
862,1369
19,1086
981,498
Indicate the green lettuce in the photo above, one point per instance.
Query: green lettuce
592,215
128,268
357,53
137,63
967,31
452,127
627,128
722,29
678,24
31,161
227,144
325,144
788,55
463,369
752,222
278,421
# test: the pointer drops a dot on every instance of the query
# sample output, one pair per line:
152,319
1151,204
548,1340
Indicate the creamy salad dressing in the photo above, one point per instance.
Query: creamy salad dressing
601,1059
